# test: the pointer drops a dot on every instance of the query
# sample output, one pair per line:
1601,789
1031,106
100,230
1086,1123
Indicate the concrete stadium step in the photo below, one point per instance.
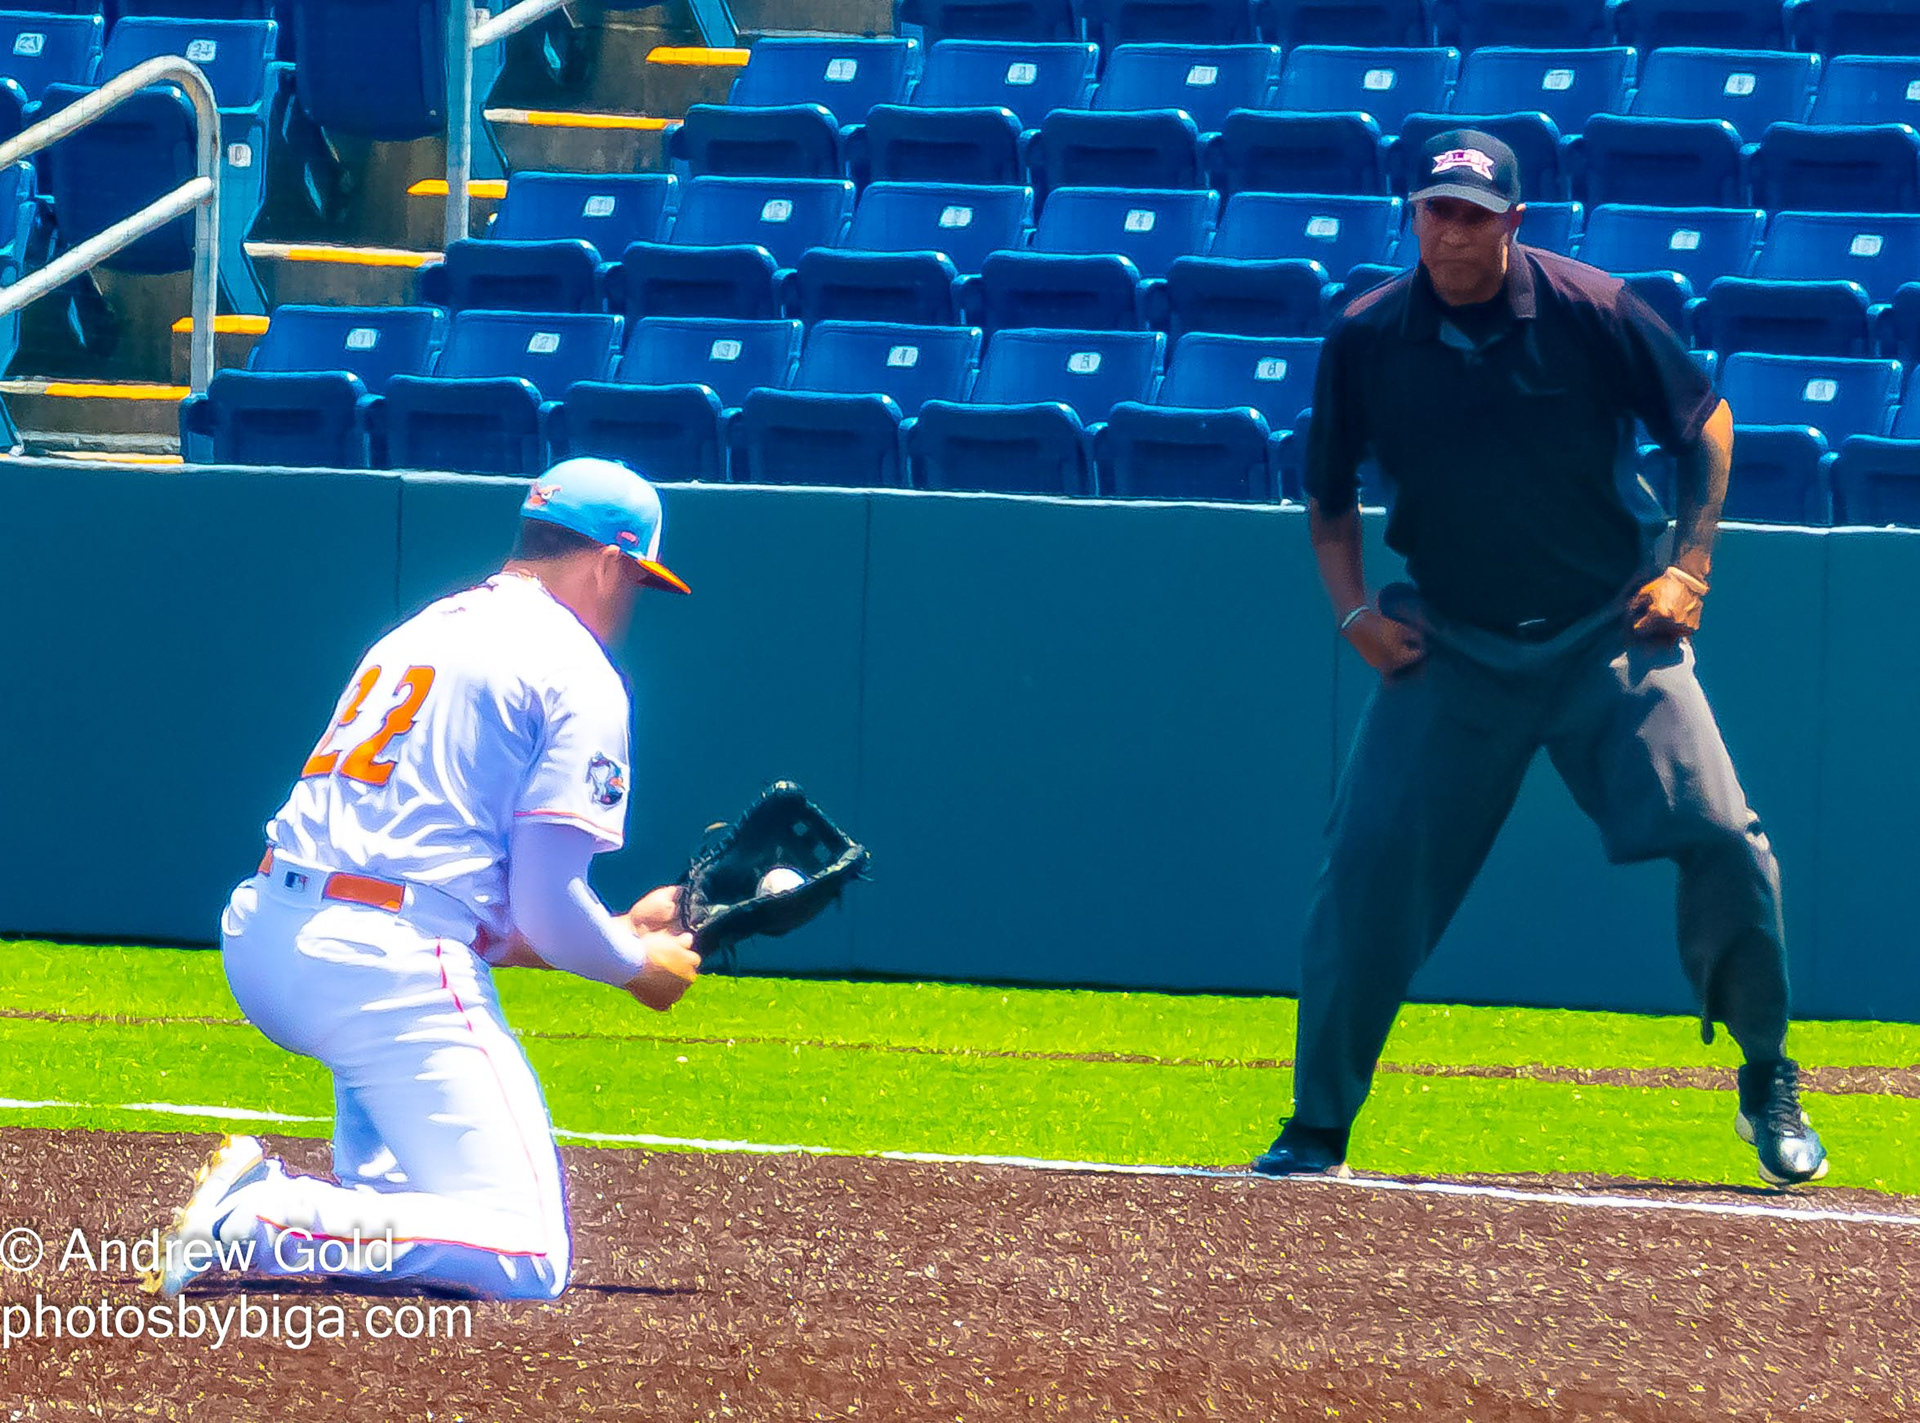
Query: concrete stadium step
537,140
327,275
758,18
96,417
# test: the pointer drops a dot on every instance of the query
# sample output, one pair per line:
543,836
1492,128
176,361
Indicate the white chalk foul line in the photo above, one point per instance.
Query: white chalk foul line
1578,1200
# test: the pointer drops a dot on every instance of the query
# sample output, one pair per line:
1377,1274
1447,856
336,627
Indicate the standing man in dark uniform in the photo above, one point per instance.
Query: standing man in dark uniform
1496,388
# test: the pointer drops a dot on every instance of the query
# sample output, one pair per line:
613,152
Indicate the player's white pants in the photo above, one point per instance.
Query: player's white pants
440,1137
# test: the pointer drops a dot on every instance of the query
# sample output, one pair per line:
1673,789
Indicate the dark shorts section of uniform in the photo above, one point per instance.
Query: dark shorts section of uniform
1435,767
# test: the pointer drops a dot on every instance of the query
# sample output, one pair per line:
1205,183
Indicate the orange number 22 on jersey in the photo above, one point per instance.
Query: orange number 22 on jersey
360,764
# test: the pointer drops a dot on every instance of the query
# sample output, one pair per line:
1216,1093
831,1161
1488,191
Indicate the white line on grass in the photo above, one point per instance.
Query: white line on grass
1575,1199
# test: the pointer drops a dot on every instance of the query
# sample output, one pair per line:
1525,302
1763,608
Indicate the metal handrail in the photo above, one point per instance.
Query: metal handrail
201,196
463,38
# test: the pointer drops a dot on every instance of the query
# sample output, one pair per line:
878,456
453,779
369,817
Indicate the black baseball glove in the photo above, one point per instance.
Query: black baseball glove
724,901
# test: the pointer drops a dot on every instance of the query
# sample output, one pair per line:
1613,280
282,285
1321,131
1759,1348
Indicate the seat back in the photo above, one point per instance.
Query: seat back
1838,396
608,210
991,19
1699,243
550,349
1553,227
1869,89
1088,371
1726,24
1880,251
1394,23
729,357
1208,81
964,222
374,343
373,68
1337,232
846,76
1567,85
1749,89
1474,24
908,364
1811,167
234,54
784,215
1029,78
39,49
1389,84
1273,374
1675,162
1150,227
1865,27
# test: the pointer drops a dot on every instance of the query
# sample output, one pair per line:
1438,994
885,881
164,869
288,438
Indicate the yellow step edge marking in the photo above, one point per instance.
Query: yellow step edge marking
99,457
562,118
108,390
675,54
357,256
492,189
226,326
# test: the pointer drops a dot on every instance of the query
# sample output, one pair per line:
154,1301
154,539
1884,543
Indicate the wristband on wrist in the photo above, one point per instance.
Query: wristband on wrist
1353,615
1698,585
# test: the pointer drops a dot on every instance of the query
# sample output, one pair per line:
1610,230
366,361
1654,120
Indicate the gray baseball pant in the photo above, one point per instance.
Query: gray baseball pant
1435,767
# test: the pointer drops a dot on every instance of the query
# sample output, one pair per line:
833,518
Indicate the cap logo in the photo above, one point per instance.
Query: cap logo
1463,158
540,494
628,536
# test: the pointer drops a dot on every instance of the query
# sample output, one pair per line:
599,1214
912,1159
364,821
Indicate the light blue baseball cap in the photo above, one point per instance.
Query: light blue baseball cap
605,501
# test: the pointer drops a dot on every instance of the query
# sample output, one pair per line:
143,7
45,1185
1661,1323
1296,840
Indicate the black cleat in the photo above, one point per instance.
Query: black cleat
1771,1121
1305,1151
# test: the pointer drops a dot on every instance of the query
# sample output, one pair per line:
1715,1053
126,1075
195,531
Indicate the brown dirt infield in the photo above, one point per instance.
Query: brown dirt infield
712,1287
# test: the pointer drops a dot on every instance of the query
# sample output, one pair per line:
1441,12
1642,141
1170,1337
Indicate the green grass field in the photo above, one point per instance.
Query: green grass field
118,1037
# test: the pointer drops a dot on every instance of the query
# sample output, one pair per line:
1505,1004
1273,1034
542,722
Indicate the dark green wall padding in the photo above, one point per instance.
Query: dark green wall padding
1088,742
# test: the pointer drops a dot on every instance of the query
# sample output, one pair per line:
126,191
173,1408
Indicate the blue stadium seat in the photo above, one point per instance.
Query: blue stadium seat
1779,476
1031,20
1116,22
377,69
1208,81
908,247
1876,482
1724,24
1150,148
840,423
1386,84
1567,85
1880,251
1090,251
1845,168
1298,153
974,110
496,274
609,210
1397,23
195,9
1790,318
108,170
301,400
1558,24
1271,261
1837,27
1837,396
1748,89
665,410
1025,428
485,408
1552,227
1213,430
1869,89
1670,255
787,110
1670,162
1534,139
39,49
729,243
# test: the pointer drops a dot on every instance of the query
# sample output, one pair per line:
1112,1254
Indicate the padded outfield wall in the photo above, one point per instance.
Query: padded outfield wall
1088,742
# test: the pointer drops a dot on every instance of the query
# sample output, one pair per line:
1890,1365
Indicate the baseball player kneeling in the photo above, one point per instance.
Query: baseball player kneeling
444,825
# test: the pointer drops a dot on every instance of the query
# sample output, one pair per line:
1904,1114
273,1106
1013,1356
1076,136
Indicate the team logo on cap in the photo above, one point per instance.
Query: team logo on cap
628,536
538,496
1463,158
606,780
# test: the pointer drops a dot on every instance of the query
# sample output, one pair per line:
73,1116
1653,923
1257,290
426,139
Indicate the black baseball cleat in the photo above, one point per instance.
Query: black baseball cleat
1772,1122
1305,1151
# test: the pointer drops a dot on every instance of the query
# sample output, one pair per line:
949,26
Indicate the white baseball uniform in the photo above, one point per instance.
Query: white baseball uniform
354,944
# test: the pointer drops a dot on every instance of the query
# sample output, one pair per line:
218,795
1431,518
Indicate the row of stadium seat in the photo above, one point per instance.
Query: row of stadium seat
1120,258
879,404
1826,26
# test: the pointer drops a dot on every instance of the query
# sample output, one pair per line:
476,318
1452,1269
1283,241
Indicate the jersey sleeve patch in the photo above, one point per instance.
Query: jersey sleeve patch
606,780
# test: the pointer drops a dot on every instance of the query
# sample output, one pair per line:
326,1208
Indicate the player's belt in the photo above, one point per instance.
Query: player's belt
354,889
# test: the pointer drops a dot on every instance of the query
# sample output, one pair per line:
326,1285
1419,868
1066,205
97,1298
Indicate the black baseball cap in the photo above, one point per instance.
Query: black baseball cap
1468,164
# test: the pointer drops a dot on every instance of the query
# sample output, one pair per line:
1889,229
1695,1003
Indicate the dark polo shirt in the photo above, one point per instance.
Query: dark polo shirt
1510,458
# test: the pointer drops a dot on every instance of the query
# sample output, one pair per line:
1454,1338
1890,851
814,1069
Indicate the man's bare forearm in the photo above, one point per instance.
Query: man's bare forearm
1700,492
1336,548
